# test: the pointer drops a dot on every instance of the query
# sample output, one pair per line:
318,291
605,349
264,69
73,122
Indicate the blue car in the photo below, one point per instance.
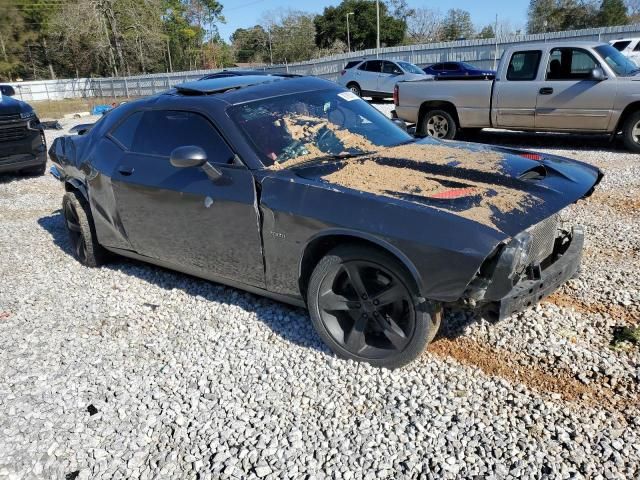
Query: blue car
457,69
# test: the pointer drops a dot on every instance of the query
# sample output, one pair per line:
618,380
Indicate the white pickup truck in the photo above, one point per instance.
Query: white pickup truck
585,87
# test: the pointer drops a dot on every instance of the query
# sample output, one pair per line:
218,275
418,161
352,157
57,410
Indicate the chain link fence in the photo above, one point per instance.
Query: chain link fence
482,53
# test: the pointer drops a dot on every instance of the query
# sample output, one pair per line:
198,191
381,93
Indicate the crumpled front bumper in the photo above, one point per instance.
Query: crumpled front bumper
529,292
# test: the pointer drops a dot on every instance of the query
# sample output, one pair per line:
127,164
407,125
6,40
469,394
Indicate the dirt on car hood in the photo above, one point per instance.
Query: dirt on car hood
507,190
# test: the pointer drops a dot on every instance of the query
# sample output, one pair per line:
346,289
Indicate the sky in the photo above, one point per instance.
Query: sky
247,13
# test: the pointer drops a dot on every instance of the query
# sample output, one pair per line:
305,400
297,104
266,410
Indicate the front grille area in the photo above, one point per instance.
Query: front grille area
543,236
9,118
9,134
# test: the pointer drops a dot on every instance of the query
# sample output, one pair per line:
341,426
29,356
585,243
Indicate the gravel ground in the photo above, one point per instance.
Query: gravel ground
132,371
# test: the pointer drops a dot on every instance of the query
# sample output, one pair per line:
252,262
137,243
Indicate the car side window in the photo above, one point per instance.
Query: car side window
363,66
390,67
451,67
437,67
523,66
637,49
374,66
162,131
570,64
125,132
620,46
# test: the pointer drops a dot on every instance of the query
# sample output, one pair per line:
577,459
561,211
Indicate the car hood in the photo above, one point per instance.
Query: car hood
504,189
11,106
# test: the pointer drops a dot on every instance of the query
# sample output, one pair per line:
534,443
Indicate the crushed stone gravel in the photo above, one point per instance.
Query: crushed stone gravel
132,371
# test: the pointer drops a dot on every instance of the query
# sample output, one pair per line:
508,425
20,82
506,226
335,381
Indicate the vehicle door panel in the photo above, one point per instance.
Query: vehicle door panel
390,75
515,94
182,216
369,75
568,102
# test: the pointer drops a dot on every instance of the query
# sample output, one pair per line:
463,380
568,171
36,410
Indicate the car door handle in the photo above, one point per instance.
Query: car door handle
125,171
546,91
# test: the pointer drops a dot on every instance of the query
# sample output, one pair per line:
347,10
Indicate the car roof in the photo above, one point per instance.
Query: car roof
238,73
234,90
559,44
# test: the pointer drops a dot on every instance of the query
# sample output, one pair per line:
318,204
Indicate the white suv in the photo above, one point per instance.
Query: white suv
376,78
629,47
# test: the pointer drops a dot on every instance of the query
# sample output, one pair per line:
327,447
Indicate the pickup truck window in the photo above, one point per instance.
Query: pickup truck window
523,65
570,64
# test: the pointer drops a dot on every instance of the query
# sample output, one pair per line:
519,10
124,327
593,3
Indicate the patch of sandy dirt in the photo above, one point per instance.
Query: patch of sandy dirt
516,368
617,312
480,161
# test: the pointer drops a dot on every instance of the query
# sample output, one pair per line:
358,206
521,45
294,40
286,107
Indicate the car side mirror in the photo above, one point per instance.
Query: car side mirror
400,123
597,74
193,156
7,90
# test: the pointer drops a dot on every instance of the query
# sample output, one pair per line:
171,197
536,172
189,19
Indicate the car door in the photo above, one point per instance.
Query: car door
367,75
569,99
180,215
388,77
515,95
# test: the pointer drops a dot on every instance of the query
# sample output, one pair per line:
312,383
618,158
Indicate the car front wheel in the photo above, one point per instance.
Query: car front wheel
363,306
631,132
82,235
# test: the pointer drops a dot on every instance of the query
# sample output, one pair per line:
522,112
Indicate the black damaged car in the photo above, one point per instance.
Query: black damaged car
23,147
298,190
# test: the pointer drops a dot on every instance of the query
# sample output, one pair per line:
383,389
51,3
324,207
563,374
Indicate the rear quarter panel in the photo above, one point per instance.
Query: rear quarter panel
472,99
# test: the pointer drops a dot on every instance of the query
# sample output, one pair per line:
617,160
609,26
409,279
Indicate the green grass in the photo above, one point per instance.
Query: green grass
624,337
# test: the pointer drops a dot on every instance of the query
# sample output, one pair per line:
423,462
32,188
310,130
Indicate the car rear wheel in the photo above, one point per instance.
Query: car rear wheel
82,235
631,132
363,306
438,124
355,88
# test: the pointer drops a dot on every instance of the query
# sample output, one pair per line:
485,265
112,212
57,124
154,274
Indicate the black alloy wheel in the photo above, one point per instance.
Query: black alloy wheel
78,243
82,235
363,307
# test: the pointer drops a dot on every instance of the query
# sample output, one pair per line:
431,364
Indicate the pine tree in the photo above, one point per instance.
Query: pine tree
613,12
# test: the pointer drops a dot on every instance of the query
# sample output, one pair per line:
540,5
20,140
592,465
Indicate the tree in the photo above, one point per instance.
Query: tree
457,25
292,35
612,12
331,25
251,44
558,15
13,38
424,26
487,32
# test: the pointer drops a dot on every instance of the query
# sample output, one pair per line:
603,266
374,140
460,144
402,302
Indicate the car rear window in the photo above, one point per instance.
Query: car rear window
524,65
621,45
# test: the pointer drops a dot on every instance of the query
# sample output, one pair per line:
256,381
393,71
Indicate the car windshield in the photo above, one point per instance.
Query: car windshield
621,65
410,67
297,128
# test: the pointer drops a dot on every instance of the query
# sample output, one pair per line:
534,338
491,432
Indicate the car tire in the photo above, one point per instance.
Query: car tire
37,171
631,132
438,124
82,233
355,88
365,307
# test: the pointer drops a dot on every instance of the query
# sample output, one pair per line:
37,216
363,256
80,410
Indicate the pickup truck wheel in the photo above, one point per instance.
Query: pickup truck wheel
631,132
363,306
82,234
355,88
438,124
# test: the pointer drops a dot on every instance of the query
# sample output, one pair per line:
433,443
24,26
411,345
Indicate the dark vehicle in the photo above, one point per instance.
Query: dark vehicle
22,144
244,73
457,69
296,189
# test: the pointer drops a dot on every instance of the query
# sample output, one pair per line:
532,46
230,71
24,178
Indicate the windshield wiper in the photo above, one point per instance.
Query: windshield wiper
337,157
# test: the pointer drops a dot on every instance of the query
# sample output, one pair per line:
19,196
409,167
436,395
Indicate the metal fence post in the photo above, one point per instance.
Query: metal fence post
113,88
126,87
